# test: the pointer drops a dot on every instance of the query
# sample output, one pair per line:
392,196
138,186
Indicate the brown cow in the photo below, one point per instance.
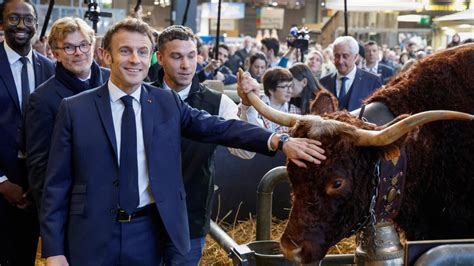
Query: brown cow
438,199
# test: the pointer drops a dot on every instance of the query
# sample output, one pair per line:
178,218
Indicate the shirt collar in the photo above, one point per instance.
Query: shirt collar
116,93
372,69
183,94
350,76
13,56
88,77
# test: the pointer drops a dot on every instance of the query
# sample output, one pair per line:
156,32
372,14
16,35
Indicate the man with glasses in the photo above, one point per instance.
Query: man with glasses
72,42
21,71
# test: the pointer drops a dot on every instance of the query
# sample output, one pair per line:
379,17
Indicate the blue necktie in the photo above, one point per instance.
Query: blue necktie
128,173
342,91
25,83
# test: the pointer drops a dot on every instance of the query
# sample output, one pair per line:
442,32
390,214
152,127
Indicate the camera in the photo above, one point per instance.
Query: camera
298,38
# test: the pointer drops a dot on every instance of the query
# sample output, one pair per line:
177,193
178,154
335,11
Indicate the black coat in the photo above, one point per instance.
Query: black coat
41,113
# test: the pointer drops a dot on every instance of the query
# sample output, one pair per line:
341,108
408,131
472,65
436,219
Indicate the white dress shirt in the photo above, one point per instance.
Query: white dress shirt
16,65
117,106
227,110
350,76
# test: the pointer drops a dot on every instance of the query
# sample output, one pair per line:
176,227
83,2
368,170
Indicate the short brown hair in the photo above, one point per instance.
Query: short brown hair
175,32
273,76
67,25
130,25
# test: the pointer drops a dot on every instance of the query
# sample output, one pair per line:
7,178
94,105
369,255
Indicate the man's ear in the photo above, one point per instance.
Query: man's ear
108,60
159,57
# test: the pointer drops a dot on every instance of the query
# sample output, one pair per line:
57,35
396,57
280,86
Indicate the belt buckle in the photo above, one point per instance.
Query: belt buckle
123,217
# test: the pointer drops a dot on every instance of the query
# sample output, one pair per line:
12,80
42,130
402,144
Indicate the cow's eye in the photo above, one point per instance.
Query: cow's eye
337,184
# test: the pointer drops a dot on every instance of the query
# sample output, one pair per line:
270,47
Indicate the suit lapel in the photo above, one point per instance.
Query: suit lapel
332,87
7,77
147,101
103,106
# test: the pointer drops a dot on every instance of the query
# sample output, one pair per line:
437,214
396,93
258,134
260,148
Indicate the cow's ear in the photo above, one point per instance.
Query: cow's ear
324,102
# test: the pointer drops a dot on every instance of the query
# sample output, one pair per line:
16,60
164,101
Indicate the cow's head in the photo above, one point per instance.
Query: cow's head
330,199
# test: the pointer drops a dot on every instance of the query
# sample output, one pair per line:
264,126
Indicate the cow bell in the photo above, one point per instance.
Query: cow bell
378,247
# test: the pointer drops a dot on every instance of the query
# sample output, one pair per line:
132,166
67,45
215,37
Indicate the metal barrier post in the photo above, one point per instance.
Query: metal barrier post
264,200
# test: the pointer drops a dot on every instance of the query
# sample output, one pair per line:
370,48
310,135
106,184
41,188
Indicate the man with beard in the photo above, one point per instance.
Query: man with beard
21,71
72,42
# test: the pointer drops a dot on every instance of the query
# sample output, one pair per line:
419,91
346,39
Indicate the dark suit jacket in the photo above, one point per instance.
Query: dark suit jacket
364,84
80,196
10,116
43,106
386,72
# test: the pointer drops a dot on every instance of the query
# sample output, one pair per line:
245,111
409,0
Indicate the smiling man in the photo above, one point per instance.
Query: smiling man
72,42
114,192
349,84
21,71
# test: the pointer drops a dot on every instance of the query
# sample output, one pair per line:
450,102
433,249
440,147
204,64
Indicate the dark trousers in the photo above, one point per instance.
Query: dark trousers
138,242
19,232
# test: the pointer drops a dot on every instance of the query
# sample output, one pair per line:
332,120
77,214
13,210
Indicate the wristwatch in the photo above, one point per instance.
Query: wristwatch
283,138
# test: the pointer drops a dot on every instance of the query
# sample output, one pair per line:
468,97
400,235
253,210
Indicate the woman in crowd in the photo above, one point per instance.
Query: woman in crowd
278,88
314,61
305,86
257,65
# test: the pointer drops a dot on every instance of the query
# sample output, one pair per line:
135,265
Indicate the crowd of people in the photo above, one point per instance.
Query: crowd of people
107,146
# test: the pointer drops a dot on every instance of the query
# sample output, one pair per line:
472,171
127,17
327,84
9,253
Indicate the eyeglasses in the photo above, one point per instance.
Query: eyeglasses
28,20
71,49
285,87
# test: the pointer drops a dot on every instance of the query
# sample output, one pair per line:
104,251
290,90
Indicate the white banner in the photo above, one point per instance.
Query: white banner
272,18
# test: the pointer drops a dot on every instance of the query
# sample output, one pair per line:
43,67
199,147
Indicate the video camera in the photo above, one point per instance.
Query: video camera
93,13
298,38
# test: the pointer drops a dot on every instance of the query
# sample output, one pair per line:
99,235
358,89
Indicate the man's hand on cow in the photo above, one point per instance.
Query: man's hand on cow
246,84
299,150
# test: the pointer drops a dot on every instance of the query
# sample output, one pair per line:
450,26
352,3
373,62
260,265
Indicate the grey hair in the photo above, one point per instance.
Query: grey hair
349,40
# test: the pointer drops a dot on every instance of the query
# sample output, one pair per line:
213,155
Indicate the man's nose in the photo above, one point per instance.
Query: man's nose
185,63
134,57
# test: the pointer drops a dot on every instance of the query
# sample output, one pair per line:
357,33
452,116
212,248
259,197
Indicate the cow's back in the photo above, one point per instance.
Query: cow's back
439,194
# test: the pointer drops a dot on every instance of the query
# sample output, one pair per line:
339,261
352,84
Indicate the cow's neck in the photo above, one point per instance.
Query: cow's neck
388,182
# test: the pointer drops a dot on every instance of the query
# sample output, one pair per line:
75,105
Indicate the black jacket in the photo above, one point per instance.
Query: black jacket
43,105
198,161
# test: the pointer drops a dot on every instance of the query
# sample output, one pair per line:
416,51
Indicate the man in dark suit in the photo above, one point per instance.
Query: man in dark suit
113,193
73,44
349,84
21,71
373,64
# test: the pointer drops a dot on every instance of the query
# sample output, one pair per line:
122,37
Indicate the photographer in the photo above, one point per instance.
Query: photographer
216,70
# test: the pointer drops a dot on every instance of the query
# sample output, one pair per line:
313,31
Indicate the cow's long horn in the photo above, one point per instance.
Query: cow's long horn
278,117
281,118
395,131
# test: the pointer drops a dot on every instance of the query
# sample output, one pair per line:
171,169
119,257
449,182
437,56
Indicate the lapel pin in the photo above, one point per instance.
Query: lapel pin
149,100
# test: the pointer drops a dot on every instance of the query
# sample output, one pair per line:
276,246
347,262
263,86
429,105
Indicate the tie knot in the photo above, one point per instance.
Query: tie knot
24,60
127,100
344,78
